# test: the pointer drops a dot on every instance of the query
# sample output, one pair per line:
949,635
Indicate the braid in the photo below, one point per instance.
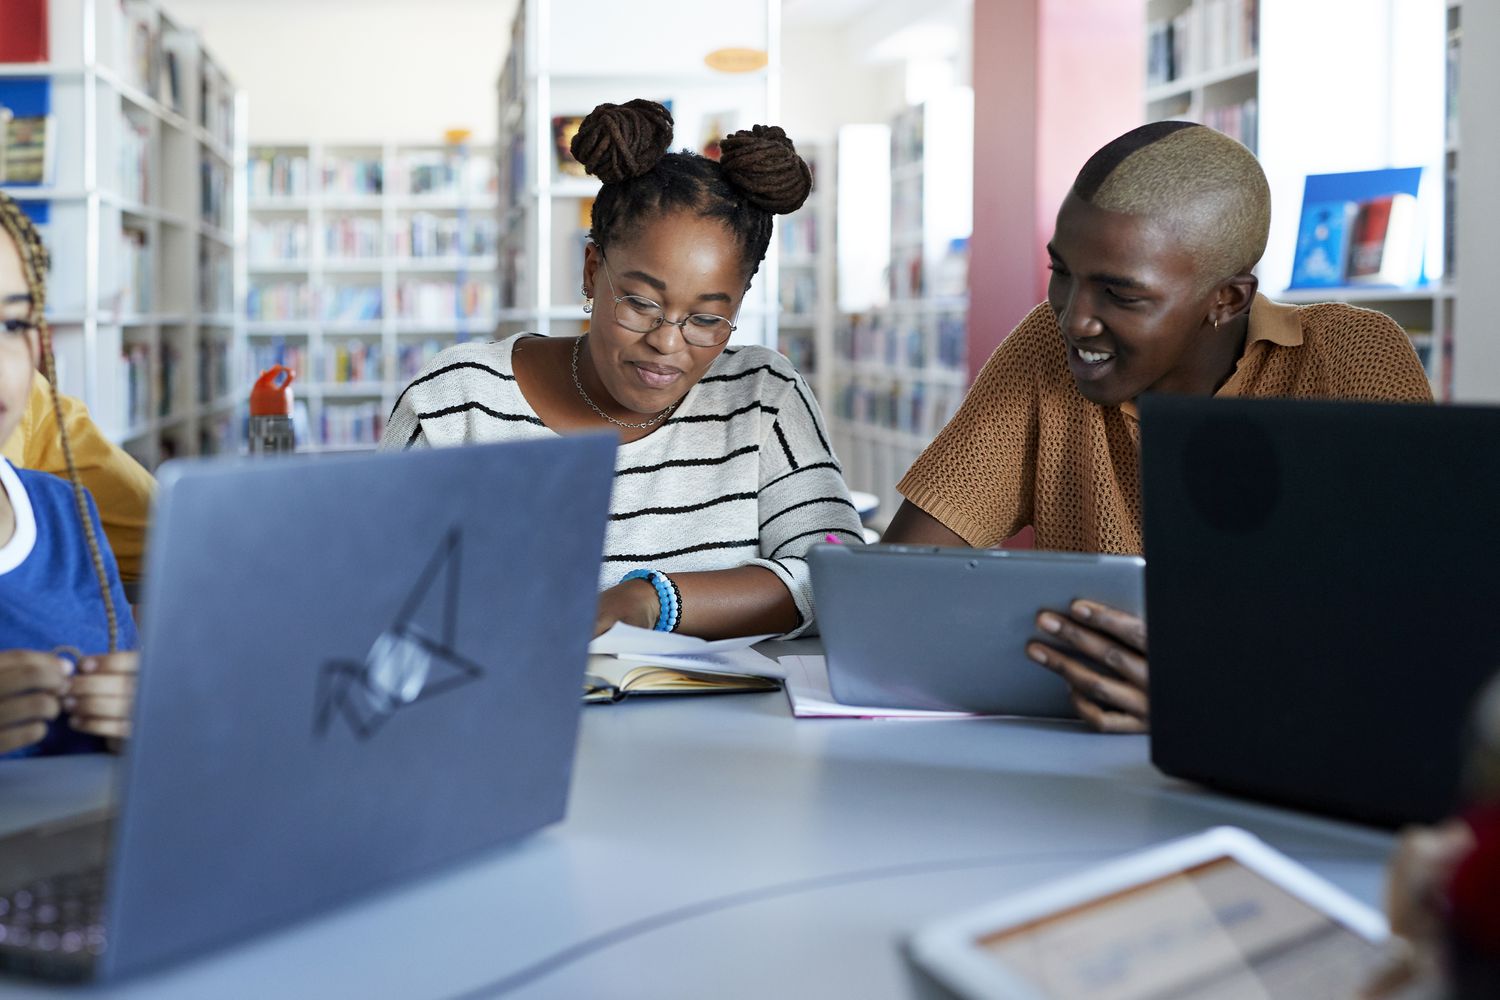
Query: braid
624,145
34,264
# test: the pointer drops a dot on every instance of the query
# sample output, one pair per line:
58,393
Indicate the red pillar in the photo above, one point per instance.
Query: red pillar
1053,81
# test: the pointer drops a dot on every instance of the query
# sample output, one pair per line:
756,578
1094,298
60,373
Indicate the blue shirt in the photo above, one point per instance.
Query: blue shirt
49,595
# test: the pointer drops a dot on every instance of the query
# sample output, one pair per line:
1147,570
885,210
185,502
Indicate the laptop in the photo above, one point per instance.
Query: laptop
1323,579
355,669
945,629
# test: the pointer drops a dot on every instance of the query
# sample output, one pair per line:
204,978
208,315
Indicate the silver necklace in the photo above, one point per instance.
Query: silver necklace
578,384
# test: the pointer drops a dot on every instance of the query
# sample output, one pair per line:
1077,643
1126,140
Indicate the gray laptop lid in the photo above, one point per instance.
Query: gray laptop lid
354,669
945,628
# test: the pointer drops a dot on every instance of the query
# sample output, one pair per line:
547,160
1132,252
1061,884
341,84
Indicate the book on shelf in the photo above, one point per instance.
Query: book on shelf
1450,119
343,425
715,127
1322,244
610,680
169,84
1360,228
24,35
278,174
564,128
26,153
1206,36
1384,244
352,304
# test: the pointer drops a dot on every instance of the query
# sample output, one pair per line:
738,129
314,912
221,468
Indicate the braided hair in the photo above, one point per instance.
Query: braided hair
35,262
758,175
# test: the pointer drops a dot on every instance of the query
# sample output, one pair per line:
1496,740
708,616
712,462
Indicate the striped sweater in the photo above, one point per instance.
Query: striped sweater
741,474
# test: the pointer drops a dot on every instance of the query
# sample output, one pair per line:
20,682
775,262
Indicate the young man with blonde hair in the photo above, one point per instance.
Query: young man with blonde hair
1152,290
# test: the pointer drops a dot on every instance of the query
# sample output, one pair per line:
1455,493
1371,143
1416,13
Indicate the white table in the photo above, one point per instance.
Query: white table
715,847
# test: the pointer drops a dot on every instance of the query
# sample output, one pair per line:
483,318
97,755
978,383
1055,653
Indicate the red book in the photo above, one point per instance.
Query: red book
24,38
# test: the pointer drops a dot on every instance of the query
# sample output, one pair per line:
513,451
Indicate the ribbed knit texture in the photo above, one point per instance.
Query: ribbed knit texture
1026,448
740,474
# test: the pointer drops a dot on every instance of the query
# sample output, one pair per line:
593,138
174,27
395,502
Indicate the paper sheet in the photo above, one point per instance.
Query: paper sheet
674,650
811,697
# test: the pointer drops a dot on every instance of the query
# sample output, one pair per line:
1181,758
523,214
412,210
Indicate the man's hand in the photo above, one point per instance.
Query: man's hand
1113,701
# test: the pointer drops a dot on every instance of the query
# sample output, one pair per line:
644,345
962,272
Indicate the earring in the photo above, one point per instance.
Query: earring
1216,324
588,305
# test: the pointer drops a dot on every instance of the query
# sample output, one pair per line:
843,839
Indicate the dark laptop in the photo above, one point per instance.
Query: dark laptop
1323,589
354,670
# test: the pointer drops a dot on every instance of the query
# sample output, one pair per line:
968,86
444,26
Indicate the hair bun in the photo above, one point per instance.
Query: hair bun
619,141
763,163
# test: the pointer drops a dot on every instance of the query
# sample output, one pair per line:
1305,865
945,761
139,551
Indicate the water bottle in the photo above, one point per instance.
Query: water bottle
271,412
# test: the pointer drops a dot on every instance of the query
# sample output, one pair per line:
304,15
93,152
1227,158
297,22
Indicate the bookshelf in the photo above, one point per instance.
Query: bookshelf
365,260
1247,67
553,73
808,278
902,364
139,209
1203,64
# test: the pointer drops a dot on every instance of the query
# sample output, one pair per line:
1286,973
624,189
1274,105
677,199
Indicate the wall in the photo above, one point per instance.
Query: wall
1053,81
826,84
336,70
1476,374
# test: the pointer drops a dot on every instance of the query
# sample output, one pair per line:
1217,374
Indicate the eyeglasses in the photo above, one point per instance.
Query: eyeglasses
639,314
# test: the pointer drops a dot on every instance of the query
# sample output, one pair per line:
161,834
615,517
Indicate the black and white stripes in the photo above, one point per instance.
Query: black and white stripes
741,474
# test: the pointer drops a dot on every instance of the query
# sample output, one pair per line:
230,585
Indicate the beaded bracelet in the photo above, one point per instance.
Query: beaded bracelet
666,593
677,604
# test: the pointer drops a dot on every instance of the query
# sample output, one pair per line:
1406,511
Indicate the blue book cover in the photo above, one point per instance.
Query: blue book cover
1322,245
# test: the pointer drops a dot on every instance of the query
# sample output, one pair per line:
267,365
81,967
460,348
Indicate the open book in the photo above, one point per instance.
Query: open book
610,679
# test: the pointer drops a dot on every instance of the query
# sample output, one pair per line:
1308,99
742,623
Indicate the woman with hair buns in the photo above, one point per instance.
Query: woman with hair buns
724,477
67,677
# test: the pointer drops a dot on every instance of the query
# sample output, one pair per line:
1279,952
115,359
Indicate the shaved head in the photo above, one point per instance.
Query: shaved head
1208,188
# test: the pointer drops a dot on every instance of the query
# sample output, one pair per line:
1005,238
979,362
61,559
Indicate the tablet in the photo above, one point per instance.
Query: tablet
1219,914
908,626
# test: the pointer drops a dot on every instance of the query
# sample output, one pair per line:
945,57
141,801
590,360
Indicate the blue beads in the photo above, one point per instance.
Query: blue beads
666,593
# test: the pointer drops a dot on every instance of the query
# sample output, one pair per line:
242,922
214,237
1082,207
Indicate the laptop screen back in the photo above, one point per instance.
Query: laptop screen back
1322,579
354,669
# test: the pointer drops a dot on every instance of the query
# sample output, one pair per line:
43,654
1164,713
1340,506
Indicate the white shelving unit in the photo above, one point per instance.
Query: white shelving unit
1248,67
902,365
140,214
553,73
364,261
809,279
1203,64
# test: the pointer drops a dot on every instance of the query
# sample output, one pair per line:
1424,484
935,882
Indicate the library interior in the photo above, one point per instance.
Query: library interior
411,412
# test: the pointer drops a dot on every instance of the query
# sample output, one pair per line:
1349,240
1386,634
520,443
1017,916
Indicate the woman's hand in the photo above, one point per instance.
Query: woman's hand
99,697
1113,702
31,686
633,602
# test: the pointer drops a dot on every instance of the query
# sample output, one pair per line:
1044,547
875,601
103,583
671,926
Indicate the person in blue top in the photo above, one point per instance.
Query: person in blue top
67,638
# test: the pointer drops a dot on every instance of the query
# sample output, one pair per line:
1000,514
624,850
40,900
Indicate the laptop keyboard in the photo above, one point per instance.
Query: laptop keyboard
53,922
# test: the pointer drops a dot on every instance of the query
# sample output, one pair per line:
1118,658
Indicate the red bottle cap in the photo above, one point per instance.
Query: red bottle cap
271,396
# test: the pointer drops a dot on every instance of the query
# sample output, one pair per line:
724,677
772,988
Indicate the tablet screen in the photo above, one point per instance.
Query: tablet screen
1217,929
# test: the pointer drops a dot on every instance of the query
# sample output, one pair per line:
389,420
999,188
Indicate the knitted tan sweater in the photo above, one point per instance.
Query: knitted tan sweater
1027,449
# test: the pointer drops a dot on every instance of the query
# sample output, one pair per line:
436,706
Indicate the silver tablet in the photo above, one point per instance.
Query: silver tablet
908,626
1219,914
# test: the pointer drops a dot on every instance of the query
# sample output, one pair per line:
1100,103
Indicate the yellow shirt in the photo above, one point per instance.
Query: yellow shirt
121,486
1026,448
